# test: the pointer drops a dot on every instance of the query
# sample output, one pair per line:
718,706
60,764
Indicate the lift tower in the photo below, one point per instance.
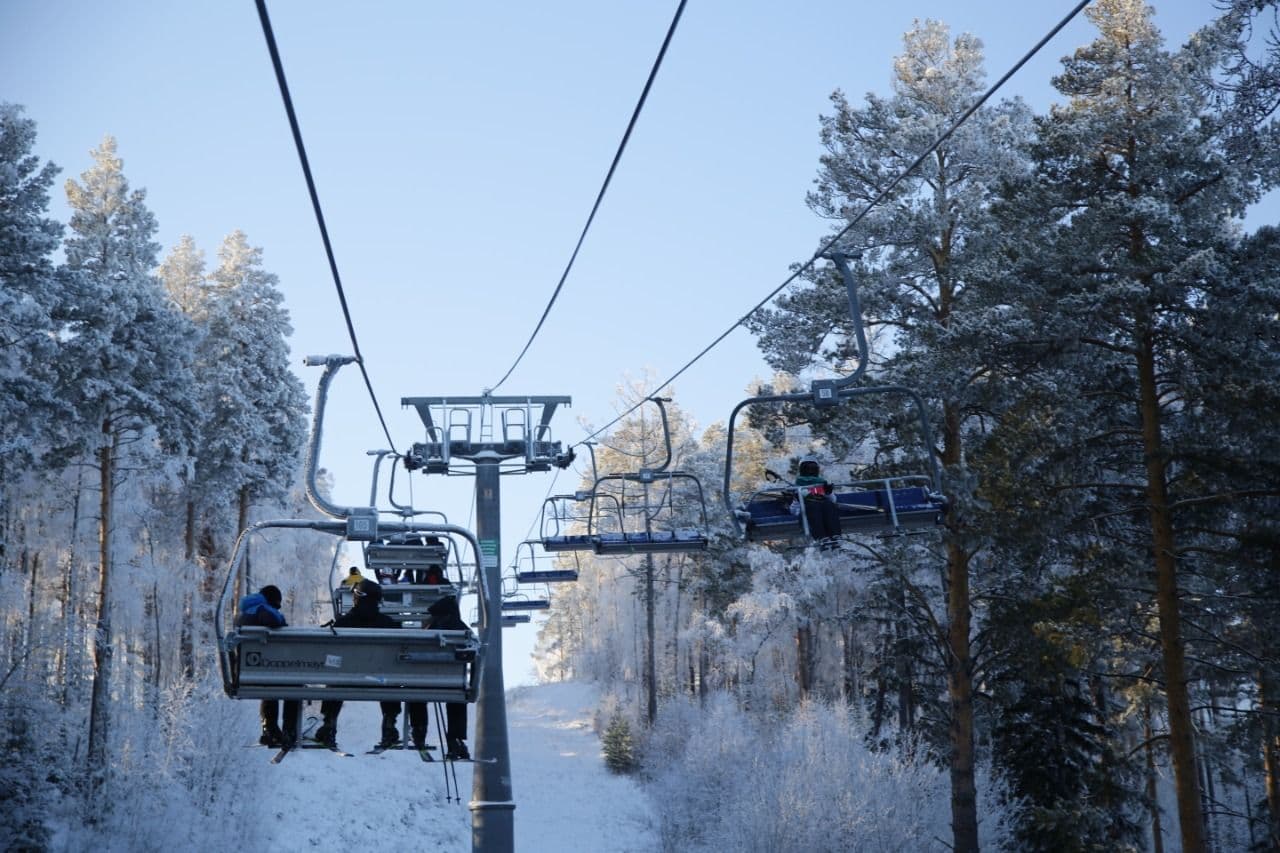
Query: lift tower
497,435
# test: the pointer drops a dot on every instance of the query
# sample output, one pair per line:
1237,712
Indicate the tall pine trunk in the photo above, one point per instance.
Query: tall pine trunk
1153,803
1181,734
959,666
186,642
902,663
964,791
650,634
99,710
70,615
1269,708
31,640
804,658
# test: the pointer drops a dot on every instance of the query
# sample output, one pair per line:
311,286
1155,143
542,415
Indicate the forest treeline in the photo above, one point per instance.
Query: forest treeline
1086,655
147,413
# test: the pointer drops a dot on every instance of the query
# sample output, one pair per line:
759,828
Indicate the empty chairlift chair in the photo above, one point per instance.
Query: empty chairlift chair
653,510
534,566
566,521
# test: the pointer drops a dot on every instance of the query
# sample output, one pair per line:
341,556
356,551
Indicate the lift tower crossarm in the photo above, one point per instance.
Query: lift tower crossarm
424,404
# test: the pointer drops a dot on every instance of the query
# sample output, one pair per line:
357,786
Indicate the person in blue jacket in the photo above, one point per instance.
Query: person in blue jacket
263,608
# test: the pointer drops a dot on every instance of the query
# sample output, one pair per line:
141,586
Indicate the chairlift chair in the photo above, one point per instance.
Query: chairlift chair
404,664
648,503
401,664
649,506
566,521
883,506
534,567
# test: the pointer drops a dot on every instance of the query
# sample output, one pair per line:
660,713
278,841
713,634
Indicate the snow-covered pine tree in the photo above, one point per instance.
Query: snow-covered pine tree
928,254
619,745
1141,183
28,294
182,273
254,405
126,360
29,291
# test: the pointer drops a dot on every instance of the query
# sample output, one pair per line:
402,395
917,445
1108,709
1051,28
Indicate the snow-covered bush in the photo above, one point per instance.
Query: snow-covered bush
802,782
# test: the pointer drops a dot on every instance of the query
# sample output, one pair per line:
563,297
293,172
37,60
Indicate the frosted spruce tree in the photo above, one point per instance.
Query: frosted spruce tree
126,360
1139,186
927,254
29,410
29,291
182,273
254,406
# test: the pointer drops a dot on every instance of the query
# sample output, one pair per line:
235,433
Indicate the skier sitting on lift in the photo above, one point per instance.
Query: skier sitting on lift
445,615
365,614
263,608
820,511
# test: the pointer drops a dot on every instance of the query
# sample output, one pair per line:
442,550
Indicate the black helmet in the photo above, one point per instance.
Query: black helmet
272,594
809,468
369,590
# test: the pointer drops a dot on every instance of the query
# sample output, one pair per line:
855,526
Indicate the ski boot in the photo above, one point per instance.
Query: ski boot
390,733
457,750
327,734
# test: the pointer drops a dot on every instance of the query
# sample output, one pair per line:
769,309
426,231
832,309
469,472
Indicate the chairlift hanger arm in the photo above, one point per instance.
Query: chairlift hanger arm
332,364
378,455
666,430
841,260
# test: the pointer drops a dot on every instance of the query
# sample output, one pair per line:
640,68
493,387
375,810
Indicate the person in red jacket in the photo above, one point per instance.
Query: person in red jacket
820,511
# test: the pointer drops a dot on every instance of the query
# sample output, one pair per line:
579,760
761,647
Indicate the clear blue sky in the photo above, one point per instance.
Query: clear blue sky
457,148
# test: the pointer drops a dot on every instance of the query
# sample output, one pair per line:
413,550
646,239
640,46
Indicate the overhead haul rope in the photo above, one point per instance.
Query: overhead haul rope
807,265
617,157
315,204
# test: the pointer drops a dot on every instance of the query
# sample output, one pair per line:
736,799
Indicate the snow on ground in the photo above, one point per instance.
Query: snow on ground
566,800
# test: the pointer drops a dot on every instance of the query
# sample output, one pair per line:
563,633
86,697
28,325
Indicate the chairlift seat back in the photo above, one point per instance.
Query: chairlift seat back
406,603
574,542
387,558
377,664
656,541
548,576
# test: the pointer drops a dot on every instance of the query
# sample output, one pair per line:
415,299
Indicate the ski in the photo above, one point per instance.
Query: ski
317,745
425,755
378,749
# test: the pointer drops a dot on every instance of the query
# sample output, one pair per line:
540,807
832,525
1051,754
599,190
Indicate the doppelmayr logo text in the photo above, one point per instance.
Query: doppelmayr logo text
256,659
